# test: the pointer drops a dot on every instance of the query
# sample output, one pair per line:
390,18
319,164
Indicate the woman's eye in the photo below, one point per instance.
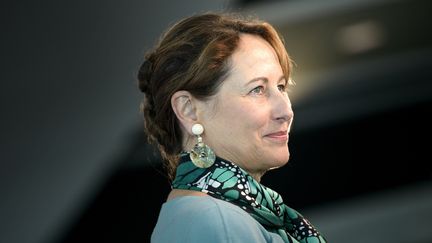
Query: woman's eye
258,90
282,87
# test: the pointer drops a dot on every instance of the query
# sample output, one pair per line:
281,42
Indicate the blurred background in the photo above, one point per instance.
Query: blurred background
75,165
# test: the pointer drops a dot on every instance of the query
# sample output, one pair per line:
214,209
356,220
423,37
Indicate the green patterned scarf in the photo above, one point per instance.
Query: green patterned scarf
226,181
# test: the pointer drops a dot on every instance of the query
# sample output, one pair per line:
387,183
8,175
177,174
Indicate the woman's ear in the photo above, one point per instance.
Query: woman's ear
183,104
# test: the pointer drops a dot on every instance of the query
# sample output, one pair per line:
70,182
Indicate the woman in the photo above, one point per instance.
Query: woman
216,105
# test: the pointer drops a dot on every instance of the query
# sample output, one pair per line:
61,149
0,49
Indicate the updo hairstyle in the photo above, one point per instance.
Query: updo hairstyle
193,55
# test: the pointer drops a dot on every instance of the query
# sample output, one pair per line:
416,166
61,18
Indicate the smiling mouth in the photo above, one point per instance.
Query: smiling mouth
278,136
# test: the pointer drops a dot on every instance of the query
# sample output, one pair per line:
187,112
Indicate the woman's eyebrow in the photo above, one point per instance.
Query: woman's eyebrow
264,79
283,78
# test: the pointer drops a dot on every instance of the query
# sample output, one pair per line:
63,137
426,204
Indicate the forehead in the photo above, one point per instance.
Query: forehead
254,57
253,48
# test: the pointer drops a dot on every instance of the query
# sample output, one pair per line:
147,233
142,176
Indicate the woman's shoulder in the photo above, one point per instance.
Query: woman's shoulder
201,211
193,205
195,219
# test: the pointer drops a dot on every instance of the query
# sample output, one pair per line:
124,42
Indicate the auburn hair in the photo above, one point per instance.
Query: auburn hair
193,55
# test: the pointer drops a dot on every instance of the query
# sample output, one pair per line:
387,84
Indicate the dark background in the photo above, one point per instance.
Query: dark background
75,165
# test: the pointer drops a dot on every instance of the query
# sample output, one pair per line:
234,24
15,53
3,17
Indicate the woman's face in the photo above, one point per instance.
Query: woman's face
249,119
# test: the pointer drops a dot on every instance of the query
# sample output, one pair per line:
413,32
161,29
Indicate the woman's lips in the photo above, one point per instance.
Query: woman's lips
281,136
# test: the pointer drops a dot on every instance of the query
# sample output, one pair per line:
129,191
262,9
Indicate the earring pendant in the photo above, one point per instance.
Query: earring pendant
201,155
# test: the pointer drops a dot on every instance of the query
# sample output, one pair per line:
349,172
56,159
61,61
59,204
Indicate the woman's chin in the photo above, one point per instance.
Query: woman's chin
283,156
280,160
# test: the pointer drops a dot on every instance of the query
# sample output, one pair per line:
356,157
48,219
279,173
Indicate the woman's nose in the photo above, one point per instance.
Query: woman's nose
282,110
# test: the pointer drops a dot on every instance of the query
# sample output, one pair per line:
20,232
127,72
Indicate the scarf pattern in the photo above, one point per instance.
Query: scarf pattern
226,181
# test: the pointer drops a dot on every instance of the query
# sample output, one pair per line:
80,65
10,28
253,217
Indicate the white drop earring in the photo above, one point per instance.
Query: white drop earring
201,155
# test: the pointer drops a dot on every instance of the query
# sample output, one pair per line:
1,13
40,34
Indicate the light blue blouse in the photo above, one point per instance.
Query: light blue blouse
206,219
